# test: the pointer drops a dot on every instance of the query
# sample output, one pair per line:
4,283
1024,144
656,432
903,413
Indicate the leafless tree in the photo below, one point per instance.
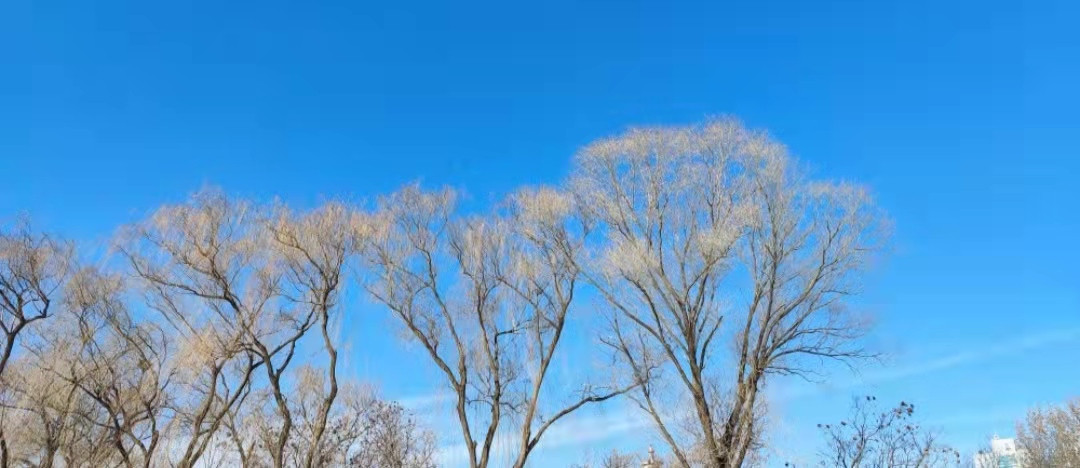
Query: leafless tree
315,247
873,438
1050,437
90,392
40,412
241,285
679,210
343,427
207,272
229,289
33,267
115,363
361,430
390,437
691,237
488,299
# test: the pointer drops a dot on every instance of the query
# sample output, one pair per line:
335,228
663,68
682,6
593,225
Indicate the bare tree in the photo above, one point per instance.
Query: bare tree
114,363
90,392
546,244
805,249
199,351
390,437
205,269
80,396
361,430
1050,437
873,438
488,299
33,267
40,412
679,210
343,427
241,285
315,247
229,291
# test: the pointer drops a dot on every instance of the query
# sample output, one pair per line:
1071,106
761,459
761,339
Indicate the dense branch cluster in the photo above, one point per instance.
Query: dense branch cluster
183,352
1050,437
210,335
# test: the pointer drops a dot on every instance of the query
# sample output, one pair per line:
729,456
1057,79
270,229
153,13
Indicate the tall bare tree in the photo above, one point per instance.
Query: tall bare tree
33,267
679,212
90,391
315,247
488,299
117,364
546,243
207,272
241,285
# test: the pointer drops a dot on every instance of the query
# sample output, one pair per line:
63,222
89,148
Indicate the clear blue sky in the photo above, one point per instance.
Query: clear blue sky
961,116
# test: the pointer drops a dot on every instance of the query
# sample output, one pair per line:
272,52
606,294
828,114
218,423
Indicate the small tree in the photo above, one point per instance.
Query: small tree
873,438
390,437
40,413
362,430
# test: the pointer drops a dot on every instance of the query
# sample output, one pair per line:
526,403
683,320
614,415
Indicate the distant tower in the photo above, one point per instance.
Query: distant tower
652,461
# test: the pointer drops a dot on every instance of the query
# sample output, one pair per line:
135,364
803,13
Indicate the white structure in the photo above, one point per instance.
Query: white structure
1002,454
652,462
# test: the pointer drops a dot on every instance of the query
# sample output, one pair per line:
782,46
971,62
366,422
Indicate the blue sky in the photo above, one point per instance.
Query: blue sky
960,115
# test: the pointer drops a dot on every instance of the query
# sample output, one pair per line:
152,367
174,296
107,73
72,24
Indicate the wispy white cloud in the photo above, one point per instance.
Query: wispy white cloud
424,402
977,354
970,355
981,418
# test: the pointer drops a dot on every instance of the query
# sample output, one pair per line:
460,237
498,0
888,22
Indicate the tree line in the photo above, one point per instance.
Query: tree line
711,259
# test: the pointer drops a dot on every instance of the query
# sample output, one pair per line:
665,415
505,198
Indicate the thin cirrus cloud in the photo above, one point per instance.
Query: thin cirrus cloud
427,402
969,355
981,353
